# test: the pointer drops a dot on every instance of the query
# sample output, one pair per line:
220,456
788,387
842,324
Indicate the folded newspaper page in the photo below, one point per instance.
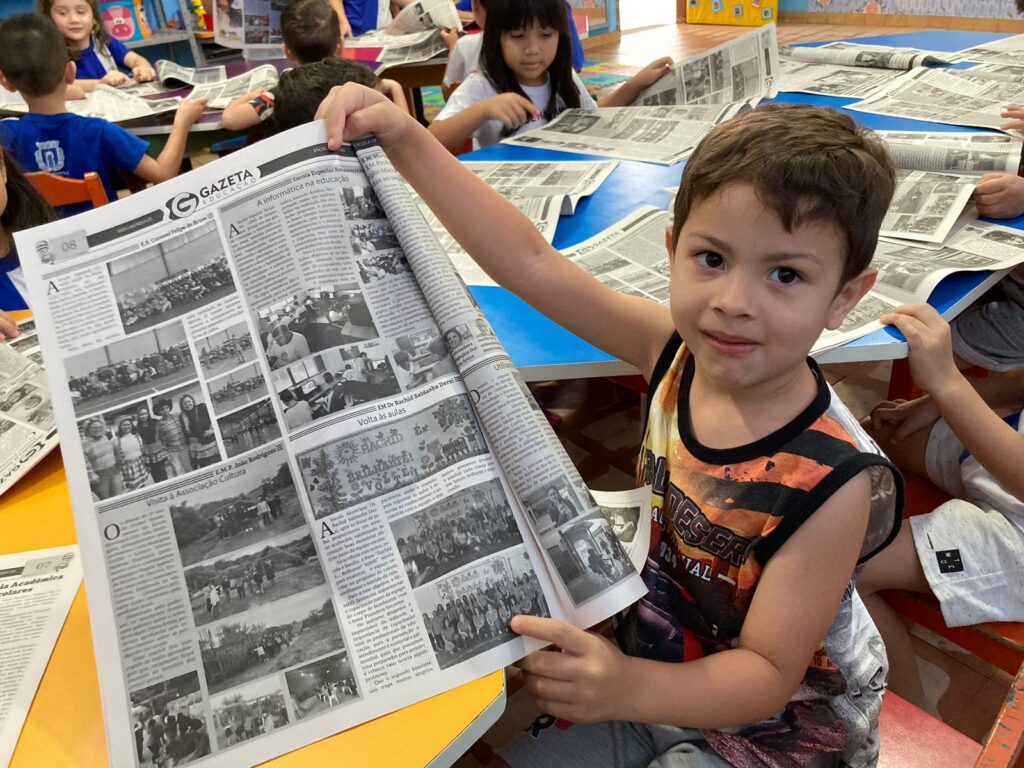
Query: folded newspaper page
947,152
221,93
862,55
1008,50
832,79
746,67
662,135
36,592
425,14
308,483
173,74
945,96
28,430
543,191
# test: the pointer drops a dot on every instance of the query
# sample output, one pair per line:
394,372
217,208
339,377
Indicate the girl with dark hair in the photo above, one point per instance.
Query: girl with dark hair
202,443
526,77
21,207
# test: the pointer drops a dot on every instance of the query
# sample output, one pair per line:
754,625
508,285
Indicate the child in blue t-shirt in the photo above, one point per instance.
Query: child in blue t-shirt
34,61
99,57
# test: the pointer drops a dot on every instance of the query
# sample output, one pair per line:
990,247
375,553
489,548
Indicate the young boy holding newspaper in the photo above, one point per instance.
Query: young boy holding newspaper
751,643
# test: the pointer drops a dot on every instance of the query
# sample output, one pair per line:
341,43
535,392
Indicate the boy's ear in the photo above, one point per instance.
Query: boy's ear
848,296
670,247
291,56
69,73
7,84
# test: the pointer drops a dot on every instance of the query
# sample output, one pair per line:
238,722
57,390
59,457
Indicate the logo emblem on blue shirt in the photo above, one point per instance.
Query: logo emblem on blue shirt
49,156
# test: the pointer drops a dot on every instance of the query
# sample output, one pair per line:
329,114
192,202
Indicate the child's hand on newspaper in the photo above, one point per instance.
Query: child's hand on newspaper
114,79
931,348
143,74
582,679
8,328
1016,114
353,110
189,111
905,416
1000,195
653,72
512,109
450,37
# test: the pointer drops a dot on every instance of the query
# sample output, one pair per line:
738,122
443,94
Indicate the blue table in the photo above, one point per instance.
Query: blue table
544,350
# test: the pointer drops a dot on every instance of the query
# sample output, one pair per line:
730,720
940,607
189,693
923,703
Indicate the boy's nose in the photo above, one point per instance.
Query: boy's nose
733,294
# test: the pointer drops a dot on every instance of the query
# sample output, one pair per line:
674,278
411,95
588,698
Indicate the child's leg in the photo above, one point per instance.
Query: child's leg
896,567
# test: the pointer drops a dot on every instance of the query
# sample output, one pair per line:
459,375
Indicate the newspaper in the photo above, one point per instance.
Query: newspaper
861,55
909,274
662,135
1012,73
348,490
116,105
221,93
36,592
543,191
28,430
962,153
945,96
926,205
171,75
746,67
1008,50
406,48
426,14
832,79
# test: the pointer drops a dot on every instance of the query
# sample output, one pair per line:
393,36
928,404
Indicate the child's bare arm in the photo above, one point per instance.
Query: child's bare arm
511,109
142,70
394,91
628,92
995,444
239,114
794,604
168,164
498,235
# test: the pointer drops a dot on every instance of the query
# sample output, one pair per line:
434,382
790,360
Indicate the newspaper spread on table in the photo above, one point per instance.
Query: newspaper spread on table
945,96
220,94
908,274
746,67
1013,73
116,105
426,14
348,489
662,135
543,191
1008,50
956,152
862,55
832,79
925,205
28,430
36,592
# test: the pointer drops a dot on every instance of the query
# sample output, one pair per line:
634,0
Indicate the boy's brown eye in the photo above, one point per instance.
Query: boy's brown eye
785,275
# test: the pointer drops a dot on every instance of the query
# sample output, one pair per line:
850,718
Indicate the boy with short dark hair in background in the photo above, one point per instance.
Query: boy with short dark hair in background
35,62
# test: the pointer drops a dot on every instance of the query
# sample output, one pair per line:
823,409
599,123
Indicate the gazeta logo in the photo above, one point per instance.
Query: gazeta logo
185,203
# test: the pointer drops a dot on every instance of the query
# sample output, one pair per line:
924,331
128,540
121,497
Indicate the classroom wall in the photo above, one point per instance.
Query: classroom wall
12,7
991,9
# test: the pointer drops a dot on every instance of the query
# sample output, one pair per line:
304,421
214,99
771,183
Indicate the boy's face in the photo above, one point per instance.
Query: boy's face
750,298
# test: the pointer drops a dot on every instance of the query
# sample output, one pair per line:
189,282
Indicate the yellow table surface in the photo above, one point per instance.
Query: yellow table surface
64,727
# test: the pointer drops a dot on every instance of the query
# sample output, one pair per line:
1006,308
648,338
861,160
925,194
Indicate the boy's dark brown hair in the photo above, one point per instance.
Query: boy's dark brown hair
33,56
299,92
807,164
310,30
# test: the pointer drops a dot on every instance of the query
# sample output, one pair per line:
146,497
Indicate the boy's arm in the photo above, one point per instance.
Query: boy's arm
239,113
997,446
628,92
795,602
394,91
343,23
168,164
502,240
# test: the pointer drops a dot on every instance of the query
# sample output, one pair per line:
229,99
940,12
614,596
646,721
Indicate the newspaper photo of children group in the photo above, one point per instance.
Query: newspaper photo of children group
321,685
247,712
468,612
225,350
169,722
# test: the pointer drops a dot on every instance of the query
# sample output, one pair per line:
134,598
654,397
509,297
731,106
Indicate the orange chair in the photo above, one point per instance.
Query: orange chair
60,191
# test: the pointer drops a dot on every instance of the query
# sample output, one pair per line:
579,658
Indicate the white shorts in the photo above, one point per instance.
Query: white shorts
973,557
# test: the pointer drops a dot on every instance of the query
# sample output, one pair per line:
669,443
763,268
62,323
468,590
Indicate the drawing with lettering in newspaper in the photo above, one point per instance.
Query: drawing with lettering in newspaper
309,485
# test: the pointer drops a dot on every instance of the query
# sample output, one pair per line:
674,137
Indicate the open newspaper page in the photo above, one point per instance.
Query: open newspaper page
426,14
116,105
662,135
294,514
908,274
36,592
220,94
1011,73
591,574
961,153
925,205
542,190
945,96
1008,50
744,68
28,430
862,55
405,48
172,74
833,79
